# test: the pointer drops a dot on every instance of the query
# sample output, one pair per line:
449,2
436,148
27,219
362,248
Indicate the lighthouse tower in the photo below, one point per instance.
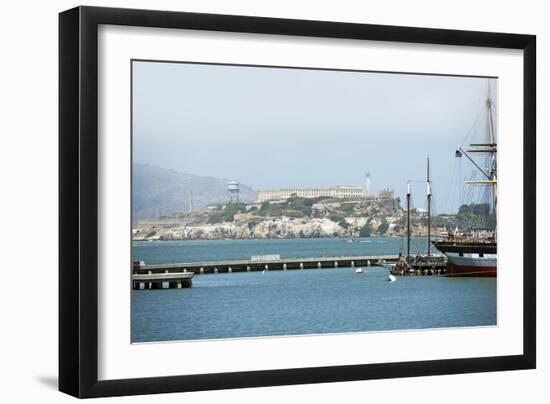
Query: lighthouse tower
367,188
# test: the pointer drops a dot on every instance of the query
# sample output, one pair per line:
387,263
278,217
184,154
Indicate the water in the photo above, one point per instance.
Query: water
300,302
158,252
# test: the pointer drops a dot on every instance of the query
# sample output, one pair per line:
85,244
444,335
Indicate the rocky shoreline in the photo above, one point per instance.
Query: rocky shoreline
269,229
295,218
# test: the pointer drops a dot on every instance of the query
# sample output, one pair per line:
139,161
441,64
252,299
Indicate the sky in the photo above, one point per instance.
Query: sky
277,127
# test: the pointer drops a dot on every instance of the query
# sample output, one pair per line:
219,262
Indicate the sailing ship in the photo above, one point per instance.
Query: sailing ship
475,254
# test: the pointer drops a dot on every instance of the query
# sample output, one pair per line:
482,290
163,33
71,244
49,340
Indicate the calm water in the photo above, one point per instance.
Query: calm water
300,302
157,252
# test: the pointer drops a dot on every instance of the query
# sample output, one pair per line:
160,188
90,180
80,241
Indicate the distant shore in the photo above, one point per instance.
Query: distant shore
343,239
299,218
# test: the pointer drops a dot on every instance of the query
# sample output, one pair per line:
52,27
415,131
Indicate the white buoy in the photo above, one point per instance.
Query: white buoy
359,271
391,278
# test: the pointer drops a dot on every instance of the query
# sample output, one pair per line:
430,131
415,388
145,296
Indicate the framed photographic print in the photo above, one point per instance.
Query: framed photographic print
250,201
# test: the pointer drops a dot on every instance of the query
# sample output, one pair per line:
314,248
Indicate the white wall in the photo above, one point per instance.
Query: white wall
28,203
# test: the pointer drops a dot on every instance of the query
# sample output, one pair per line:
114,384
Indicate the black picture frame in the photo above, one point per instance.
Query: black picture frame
78,201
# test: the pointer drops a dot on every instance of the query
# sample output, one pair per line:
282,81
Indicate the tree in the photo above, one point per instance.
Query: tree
365,231
342,223
383,228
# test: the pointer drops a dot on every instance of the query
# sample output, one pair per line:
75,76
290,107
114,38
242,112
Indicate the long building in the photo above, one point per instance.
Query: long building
343,192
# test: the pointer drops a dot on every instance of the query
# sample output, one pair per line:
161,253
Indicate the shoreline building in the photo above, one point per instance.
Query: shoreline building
342,192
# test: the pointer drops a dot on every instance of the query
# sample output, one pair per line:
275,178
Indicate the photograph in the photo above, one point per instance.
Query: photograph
273,201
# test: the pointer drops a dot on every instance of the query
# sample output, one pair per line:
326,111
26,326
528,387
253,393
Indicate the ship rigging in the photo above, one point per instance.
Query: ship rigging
475,254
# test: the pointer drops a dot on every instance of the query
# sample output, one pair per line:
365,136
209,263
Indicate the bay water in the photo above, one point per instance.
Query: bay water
299,302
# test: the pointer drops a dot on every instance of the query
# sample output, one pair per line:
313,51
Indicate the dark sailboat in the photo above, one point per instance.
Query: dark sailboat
428,264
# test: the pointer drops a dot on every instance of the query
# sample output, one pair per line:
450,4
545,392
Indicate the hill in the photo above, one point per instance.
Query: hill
161,192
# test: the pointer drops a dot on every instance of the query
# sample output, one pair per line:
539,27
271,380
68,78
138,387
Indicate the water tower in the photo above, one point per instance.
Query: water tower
232,191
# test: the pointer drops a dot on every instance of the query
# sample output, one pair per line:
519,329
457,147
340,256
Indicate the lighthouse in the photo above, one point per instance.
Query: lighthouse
367,189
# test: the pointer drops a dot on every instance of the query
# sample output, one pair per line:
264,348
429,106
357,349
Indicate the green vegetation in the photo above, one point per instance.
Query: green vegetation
337,217
294,213
365,231
292,207
469,217
383,228
474,209
342,223
347,208
254,222
226,214
475,216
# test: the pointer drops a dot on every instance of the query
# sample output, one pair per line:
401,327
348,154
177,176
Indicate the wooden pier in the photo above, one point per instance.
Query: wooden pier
164,280
179,275
214,267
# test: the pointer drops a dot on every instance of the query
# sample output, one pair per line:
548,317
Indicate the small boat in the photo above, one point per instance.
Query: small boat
391,278
390,267
359,271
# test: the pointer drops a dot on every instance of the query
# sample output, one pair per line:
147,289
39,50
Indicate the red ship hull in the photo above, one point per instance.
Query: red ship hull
471,271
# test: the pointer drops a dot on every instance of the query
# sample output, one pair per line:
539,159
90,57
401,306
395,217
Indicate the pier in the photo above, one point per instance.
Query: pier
437,261
164,280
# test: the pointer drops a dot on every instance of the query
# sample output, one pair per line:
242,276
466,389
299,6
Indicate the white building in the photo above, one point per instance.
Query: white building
331,192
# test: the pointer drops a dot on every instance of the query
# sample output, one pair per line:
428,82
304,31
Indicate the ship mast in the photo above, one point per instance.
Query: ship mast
429,196
408,219
492,141
490,147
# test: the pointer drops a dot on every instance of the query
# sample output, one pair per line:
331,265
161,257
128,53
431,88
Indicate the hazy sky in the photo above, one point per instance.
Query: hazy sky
276,127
